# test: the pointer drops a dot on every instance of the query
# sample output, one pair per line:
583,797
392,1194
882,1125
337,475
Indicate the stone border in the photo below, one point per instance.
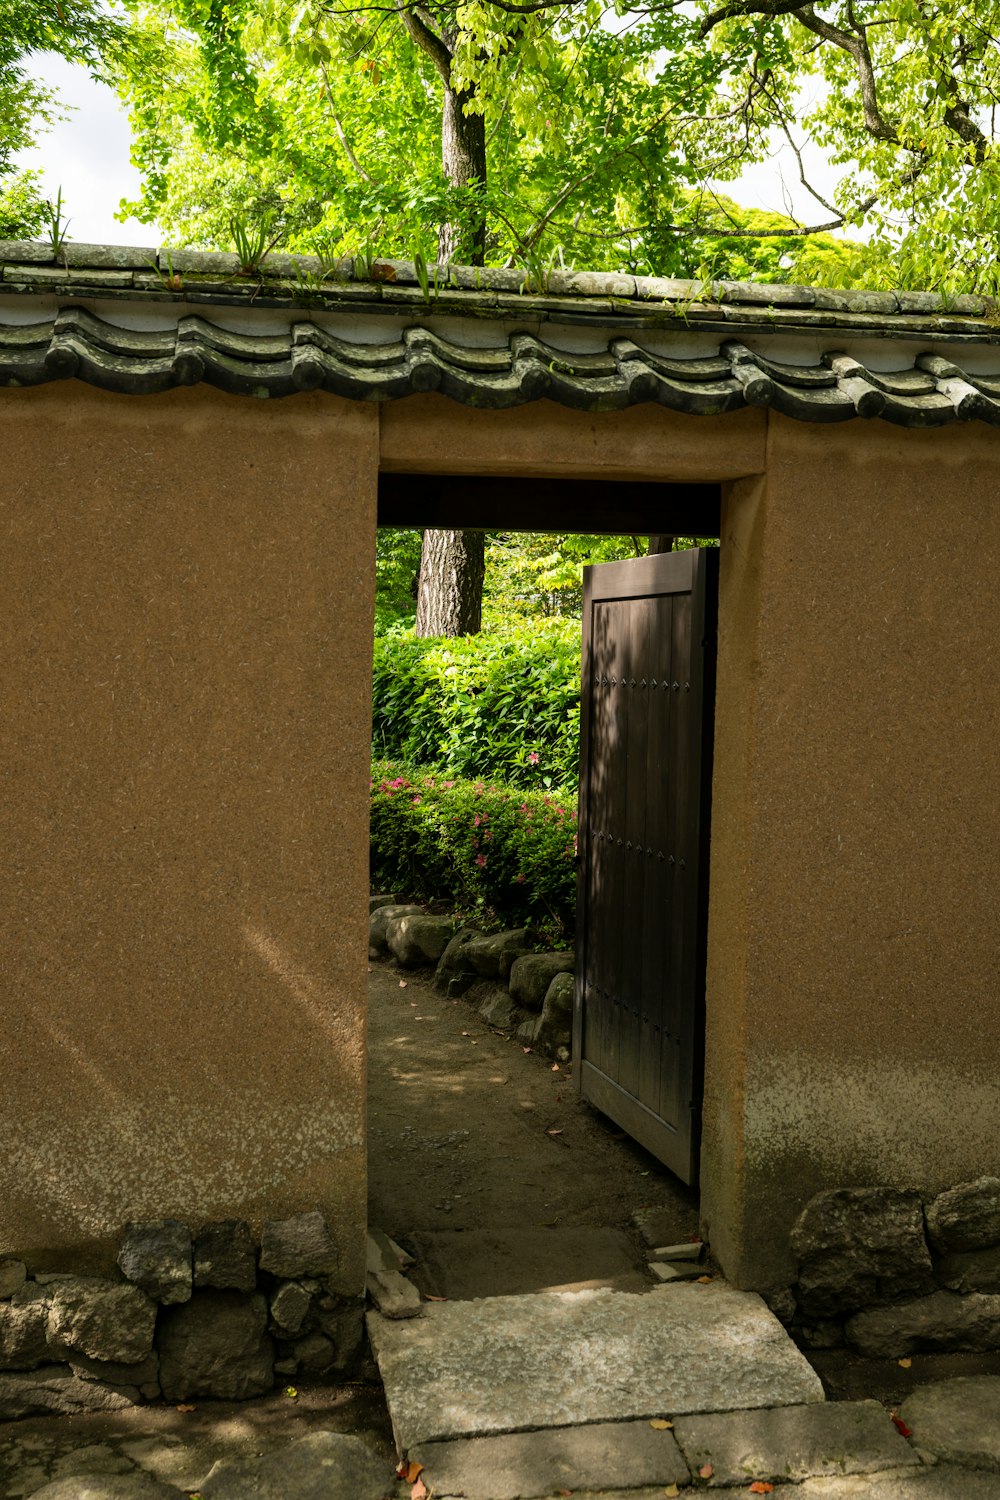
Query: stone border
516,986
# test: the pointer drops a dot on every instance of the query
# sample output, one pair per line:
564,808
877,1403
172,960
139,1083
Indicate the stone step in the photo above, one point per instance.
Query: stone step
514,1364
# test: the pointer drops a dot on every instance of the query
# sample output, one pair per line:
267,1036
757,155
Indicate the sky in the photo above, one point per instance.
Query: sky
88,157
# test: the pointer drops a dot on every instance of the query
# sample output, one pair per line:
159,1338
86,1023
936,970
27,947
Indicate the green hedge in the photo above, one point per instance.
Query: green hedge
498,856
503,705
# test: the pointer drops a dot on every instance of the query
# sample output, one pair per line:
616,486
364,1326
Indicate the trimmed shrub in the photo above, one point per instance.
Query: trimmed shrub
503,706
497,855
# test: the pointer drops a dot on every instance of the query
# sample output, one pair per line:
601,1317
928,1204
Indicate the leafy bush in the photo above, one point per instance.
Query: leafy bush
498,856
502,706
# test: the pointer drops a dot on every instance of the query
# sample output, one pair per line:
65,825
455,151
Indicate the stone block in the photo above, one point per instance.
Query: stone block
555,1028
225,1257
944,1321
970,1270
342,1322
12,1275
374,902
315,1355
966,1217
674,1271
559,1460
290,1306
455,973
379,921
393,1294
689,1250
145,1373
857,1247
493,955
532,973
498,1009
418,939
383,1254
216,1345
55,1391
104,1320
156,1256
794,1442
334,1465
107,1487
958,1421
23,1330
299,1246
824,1333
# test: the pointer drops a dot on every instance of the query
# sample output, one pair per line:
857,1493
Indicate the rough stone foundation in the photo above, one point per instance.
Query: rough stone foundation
216,1316
890,1274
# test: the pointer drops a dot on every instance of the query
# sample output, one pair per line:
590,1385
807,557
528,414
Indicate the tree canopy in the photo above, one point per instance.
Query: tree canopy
608,131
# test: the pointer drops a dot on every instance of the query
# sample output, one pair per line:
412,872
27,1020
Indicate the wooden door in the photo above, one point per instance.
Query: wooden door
648,683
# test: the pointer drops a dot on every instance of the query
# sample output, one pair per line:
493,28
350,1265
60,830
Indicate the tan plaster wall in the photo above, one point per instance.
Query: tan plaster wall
433,435
186,606
854,969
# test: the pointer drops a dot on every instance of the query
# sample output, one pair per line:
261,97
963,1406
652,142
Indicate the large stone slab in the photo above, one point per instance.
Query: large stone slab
794,1442
509,1364
958,1421
322,1466
523,1465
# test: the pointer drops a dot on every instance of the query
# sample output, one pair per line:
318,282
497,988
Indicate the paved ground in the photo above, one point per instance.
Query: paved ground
486,1166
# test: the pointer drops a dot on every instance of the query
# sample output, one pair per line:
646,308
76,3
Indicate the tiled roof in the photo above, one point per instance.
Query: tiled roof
519,353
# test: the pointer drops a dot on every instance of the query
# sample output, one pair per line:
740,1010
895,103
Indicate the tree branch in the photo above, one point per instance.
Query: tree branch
417,24
341,132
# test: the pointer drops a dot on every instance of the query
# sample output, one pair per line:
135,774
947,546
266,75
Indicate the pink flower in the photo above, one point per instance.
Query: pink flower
521,879
480,860
533,758
416,800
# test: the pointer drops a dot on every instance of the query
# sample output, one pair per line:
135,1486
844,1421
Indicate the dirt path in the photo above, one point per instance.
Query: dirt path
475,1142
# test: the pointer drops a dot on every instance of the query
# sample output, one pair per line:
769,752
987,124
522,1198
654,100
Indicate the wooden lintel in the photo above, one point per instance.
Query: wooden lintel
449,502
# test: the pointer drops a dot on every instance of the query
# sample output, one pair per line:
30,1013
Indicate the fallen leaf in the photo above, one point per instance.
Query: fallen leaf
671,1491
291,1392
760,1487
418,1491
527,1049
704,1280
409,1470
554,1068
904,1364
553,1132
430,1297
661,1424
187,1408
900,1425
706,1471
466,1033
403,983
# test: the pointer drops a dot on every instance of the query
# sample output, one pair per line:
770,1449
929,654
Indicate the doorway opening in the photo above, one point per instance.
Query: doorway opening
484,1157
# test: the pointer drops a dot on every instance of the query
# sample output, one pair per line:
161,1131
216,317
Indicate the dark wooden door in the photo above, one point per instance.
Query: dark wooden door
645,780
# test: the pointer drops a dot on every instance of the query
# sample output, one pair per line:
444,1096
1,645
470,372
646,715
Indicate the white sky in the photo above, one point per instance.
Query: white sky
88,157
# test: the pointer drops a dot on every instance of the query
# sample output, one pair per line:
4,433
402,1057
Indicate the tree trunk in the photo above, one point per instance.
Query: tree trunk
450,591
463,156
660,543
